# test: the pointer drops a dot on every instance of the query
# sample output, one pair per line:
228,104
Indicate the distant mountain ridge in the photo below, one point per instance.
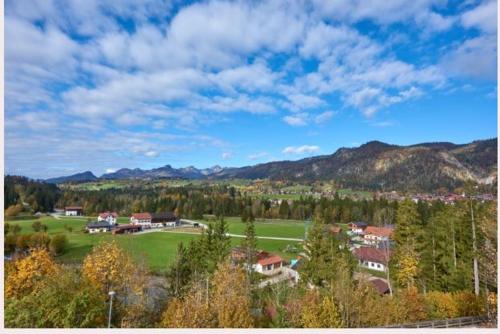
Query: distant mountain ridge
374,165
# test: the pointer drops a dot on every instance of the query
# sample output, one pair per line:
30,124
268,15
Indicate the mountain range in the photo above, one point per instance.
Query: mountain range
374,165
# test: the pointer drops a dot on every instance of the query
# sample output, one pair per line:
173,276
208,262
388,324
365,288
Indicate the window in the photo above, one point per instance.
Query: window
378,265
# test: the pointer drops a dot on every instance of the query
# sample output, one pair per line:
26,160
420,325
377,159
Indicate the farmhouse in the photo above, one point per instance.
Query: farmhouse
126,229
375,235
73,211
358,227
164,219
143,219
109,217
99,226
372,258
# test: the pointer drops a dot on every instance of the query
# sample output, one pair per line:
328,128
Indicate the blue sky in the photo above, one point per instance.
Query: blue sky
101,85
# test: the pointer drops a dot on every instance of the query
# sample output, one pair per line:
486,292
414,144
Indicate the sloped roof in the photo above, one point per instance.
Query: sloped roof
106,214
270,260
381,286
371,254
379,231
73,208
141,215
98,225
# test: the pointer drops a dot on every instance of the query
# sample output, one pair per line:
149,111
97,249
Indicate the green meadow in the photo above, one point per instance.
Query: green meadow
158,249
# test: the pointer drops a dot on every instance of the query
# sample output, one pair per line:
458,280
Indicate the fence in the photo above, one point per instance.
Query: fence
445,323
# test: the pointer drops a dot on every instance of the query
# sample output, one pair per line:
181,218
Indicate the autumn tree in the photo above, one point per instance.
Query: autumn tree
319,312
25,274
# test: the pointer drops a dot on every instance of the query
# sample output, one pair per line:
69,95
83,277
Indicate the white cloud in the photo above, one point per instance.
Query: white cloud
324,117
227,155
110,170
483,17
301,149
299,119
475,58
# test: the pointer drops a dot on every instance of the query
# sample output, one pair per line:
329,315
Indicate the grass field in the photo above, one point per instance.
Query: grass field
268,227
159,248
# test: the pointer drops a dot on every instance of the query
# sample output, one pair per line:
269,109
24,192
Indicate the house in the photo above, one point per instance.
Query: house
73,211
99,226
372,258
358,227
268,265
109,217
126,229
164,219
142,219
374,235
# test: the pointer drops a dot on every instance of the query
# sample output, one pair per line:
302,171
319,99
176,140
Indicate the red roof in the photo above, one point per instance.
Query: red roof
371,254
379,231
141,216
270,260
73,208
106,214
381,286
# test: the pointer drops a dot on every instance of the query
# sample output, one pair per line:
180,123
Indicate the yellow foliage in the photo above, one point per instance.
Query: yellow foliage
441,305
108,267
25,274
230,300
320,313
408,268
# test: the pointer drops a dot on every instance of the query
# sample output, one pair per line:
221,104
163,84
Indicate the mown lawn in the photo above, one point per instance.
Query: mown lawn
268,227
158,249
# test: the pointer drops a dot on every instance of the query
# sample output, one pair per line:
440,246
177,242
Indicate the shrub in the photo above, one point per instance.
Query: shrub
58,244
441,305
468,304
23,241
13,210
10,243
39,240
37,226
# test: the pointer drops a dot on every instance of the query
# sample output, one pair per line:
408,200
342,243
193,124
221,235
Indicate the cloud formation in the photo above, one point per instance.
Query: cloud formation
103,69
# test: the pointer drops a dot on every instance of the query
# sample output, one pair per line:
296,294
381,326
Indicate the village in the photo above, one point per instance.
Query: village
371,245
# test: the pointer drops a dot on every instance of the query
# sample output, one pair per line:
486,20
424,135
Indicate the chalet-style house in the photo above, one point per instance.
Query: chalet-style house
109,217
268,265
358,227
73,211
142,219
99,226
127,229
164,219
372,258
374,235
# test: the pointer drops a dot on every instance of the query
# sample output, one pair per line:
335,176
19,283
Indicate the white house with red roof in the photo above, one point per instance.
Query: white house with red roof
143,219
374,235
109,217
372,258
268,265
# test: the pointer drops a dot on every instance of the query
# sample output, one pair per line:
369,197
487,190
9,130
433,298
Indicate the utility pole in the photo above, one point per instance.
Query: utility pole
474,248
111,294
